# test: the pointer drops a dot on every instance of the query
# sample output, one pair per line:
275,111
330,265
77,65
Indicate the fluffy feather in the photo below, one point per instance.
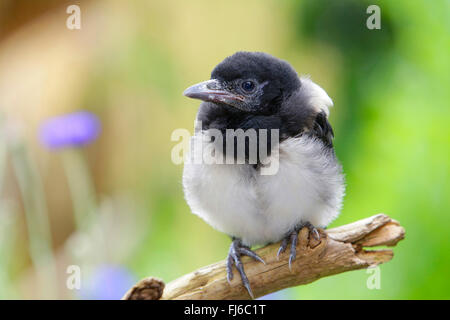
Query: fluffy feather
259,209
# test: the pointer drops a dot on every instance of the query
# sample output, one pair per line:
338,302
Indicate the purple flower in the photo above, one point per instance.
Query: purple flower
108,282
70,130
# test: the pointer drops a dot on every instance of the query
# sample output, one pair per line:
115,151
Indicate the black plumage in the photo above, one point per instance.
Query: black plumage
280,106
254,90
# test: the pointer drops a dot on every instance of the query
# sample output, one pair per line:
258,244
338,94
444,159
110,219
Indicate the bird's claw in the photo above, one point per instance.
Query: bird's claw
312,230
237,249
283,247
293,238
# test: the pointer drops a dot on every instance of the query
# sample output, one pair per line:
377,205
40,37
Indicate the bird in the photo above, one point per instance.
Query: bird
258,91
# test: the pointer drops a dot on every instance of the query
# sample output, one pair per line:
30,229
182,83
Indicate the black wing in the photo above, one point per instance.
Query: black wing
322,129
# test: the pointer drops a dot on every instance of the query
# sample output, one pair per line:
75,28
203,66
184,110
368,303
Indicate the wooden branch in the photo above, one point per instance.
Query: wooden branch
340,249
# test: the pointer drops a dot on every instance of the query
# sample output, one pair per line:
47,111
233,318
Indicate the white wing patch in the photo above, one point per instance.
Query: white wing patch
317,97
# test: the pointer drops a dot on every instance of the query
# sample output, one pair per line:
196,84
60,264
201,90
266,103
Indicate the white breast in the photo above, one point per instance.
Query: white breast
239,201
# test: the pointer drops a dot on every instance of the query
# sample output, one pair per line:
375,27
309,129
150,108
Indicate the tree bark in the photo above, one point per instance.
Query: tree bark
340,249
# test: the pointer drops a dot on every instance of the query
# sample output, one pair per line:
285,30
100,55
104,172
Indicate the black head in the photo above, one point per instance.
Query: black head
253,82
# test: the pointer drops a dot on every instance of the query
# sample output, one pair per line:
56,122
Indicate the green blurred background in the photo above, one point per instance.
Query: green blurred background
129,64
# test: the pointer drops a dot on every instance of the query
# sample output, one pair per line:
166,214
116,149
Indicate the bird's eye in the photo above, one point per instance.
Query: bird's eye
248,86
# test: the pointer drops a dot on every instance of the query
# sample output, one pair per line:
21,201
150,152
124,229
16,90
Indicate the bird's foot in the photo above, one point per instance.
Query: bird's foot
293,238
237,249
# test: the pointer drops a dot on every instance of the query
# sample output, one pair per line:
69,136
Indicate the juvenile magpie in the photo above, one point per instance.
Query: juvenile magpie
254,90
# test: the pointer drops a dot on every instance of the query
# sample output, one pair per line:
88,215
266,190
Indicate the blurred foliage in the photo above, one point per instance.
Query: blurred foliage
129,64
392,136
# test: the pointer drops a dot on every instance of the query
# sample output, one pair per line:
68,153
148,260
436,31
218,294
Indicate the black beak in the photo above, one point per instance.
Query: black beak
213,91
